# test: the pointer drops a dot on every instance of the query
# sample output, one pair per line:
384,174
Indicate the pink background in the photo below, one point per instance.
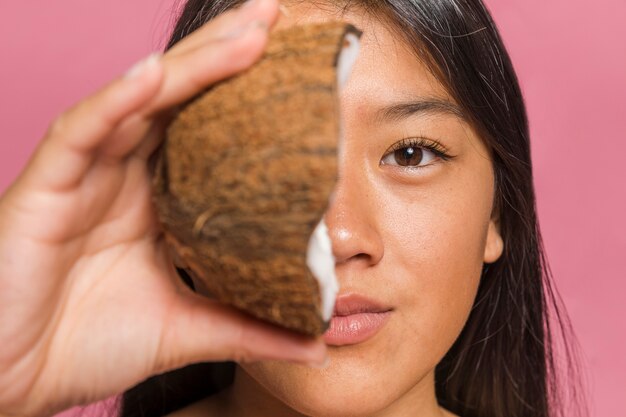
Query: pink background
571,60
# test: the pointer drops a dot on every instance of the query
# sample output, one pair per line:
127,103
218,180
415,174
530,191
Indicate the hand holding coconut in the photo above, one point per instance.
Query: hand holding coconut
90,303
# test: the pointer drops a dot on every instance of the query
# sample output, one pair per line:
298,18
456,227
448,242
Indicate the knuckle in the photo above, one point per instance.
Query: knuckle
241,348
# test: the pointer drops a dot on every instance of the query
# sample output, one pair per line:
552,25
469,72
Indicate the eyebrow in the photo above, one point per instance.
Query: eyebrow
403,110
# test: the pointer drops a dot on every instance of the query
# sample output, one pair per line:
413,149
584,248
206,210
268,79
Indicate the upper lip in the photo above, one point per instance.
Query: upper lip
348,304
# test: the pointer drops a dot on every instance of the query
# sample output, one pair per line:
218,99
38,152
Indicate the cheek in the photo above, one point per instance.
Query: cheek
434,245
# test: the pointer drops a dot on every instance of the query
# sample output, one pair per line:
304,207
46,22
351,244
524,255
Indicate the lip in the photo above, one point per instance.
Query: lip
356,319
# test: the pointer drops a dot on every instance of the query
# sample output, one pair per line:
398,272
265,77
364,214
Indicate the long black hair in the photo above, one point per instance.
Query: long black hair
504,362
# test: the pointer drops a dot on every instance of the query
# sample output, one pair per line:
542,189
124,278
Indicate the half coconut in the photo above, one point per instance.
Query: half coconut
245,174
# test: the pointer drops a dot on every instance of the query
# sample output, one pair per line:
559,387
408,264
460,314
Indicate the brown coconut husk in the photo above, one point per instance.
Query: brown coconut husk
245,174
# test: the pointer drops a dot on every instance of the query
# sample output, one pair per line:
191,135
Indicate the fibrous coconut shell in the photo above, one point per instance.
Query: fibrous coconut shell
245,174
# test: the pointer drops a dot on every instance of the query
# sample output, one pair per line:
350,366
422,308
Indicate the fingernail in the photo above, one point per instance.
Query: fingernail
143,66
252,26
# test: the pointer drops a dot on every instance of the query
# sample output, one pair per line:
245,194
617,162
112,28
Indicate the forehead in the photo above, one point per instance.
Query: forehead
387,69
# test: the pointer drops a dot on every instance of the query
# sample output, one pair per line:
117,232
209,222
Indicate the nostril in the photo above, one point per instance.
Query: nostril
342,261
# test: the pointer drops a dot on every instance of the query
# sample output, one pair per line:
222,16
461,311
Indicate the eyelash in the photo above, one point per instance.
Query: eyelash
416,142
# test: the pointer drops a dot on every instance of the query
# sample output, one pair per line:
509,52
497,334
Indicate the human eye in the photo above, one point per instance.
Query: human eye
414,153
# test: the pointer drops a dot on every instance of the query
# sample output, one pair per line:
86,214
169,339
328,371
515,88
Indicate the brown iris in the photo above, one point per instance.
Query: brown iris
408,156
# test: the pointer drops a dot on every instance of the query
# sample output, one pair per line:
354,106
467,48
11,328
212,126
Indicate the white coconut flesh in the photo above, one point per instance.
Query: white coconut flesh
320,259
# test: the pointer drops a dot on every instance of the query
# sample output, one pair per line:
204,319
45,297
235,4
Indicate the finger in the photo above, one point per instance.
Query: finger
204,330
185,76
60,163
70,144
224,26
228,23
192,72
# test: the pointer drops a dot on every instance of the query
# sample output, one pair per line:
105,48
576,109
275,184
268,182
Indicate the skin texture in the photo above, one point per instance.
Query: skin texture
90,302
415,239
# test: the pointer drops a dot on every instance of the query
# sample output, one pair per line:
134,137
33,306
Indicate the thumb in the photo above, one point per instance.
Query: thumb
201,330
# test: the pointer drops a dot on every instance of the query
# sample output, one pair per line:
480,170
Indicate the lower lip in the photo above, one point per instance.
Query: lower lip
355,328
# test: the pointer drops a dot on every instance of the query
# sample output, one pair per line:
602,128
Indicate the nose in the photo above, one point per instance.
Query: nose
350,219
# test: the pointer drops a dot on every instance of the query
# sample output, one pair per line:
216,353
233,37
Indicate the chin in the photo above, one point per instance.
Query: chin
336,391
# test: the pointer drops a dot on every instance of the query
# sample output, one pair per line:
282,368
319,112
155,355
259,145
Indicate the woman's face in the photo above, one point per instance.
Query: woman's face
410,230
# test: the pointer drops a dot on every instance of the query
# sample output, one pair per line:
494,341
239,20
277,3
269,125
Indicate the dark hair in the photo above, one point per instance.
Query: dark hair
504,362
